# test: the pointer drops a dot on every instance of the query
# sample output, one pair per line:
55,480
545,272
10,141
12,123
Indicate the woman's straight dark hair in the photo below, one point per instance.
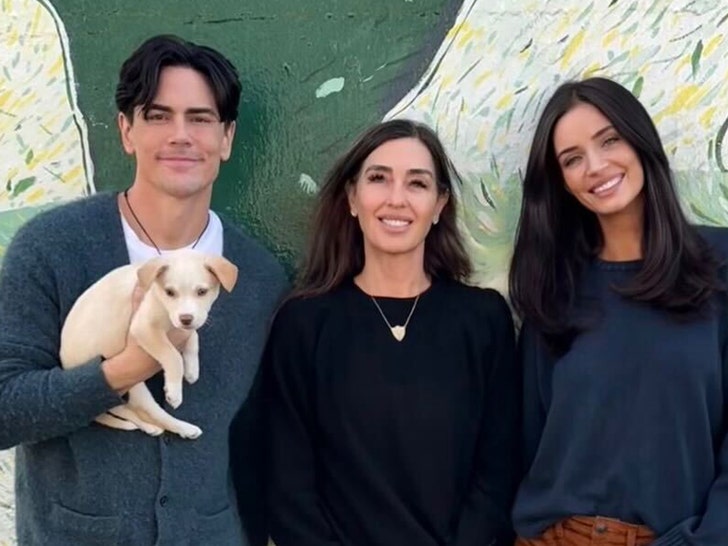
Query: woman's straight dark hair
557,236
336,247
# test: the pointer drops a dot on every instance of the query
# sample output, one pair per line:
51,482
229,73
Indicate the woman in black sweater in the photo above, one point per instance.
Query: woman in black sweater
624,344
393,398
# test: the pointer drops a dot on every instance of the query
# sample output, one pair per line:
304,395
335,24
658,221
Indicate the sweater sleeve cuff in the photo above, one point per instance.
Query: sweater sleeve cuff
88,388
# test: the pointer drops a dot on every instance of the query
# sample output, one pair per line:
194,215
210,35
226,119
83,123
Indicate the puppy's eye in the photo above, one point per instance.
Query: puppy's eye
170,292
202,291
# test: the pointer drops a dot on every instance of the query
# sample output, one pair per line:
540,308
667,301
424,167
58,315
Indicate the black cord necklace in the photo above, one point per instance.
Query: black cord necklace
141,226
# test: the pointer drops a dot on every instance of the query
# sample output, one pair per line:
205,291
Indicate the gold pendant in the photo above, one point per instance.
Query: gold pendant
398,332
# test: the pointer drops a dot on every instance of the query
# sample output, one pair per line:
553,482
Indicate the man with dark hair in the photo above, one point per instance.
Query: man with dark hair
81,483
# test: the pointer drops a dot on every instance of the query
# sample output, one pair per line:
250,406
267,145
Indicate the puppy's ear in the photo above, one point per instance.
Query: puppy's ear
150,271
225,271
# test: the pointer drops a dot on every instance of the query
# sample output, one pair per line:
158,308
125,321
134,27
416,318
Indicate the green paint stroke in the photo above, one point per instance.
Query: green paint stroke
23,185
695,60
334,85
723,190
637,89
700,214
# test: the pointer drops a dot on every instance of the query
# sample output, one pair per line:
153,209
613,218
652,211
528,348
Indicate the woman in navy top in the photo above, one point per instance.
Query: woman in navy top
624,337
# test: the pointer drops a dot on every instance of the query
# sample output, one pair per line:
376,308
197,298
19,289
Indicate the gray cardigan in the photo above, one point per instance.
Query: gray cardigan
79,483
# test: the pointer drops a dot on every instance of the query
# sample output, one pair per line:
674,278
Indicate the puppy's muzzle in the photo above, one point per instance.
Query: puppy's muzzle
186,320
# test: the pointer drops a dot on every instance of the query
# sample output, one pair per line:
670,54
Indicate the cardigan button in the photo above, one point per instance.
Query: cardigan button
600,528
163,500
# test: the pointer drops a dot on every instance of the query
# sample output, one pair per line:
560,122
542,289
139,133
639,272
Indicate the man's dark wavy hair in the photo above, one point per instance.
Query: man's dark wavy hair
139,75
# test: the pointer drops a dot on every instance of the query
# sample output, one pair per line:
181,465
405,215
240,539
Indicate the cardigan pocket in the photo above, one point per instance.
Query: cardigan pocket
73,527
221,528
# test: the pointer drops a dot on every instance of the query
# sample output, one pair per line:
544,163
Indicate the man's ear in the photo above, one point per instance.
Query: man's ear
227,140
125,126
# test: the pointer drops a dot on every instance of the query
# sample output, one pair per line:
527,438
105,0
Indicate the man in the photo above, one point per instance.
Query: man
81,483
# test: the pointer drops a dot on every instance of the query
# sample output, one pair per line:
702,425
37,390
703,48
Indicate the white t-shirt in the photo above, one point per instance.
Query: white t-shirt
210,241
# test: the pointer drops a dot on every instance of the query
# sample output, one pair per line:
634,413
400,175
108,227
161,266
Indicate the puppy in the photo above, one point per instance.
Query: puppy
179,289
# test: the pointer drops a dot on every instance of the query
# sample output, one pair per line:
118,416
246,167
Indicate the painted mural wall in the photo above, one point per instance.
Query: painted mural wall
316,73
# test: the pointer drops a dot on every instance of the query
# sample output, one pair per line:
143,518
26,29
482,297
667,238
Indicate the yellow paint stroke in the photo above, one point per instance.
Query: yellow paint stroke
591,70
56,69
684,62
447,82
504,102
572,48
467,35
35,22
706,118
423,101
23,102
686,98
481,79
12,173
566,22
711,44
455,29
609,37
482,141
49,155
77,171
13,37
36,195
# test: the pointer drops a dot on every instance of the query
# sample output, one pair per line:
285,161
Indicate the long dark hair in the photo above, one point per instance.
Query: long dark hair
336,246
557,236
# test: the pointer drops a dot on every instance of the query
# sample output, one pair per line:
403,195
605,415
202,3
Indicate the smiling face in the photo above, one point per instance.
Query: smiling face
600,169
396,199
179,143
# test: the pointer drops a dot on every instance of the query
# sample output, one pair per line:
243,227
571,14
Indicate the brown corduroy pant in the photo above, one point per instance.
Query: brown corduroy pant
591,531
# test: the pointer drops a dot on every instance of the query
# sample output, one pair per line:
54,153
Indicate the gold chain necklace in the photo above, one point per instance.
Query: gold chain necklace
141,226
398,332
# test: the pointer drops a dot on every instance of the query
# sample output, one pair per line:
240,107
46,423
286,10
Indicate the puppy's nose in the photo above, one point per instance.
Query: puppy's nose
186,319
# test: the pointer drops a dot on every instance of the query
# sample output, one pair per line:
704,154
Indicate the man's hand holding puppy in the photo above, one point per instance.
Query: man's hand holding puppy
134,365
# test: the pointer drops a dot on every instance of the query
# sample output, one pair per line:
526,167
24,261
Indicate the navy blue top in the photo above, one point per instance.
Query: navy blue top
631,422
381,442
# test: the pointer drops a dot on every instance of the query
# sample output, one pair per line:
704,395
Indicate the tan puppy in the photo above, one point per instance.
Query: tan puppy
180,287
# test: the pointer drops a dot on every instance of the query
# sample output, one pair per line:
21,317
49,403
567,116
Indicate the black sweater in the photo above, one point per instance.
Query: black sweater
631,422
376,442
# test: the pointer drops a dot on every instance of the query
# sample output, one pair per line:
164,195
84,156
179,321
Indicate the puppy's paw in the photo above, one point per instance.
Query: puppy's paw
173,395
192,373
189,431
152,430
